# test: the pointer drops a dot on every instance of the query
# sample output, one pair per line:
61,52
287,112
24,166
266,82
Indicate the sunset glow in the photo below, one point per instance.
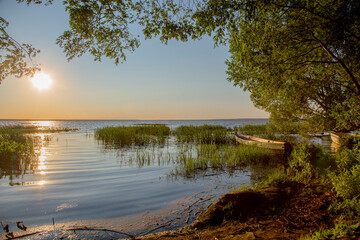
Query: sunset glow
41,81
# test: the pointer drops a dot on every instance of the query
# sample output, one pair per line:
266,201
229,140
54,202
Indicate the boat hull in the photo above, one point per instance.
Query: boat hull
262,143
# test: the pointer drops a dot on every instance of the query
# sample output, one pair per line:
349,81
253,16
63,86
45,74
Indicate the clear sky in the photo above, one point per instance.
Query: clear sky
174,81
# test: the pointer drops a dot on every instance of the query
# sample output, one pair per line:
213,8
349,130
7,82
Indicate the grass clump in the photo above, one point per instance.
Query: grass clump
220,157
21,129
133,135
17,152
205,134
253,129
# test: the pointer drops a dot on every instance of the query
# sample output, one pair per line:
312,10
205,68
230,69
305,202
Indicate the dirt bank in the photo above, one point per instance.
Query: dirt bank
271,213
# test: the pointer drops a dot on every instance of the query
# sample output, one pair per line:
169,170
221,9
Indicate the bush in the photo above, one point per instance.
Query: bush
305,161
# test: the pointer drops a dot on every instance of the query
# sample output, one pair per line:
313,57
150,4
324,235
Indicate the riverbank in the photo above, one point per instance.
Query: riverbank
317,197
269,213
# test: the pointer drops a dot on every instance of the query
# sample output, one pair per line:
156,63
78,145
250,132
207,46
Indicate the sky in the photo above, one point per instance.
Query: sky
174,81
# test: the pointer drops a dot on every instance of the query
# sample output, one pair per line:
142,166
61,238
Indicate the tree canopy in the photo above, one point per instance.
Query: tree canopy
299,59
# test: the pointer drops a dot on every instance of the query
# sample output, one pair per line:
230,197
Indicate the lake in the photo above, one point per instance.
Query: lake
77,178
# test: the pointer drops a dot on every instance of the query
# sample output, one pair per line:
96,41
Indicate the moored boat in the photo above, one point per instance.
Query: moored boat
337,136
262,143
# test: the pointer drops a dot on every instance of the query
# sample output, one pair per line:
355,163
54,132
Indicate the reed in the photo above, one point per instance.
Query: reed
206,134
133,135
220,157
18,152
20,129
253,129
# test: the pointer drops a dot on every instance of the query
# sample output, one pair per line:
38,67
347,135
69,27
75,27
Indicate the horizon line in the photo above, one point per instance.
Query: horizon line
95,119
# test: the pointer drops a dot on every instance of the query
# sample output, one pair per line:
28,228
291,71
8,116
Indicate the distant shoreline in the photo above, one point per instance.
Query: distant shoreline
205,119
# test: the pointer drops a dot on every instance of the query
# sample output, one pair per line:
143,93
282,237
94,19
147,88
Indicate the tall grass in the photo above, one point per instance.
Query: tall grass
20,129
206,134
220,157
17,152
133,135
19,149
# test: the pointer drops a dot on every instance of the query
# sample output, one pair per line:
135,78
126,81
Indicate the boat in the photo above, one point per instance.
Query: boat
337,136
262,143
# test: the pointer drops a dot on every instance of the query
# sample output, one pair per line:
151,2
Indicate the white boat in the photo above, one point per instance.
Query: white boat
262,143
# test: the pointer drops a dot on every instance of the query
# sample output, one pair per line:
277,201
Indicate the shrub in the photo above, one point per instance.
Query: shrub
304,162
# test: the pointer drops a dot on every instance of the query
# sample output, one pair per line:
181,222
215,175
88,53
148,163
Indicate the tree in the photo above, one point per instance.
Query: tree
16,58
299,59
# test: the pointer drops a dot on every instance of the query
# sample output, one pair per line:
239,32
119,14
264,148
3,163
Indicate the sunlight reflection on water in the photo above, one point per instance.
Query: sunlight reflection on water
74,178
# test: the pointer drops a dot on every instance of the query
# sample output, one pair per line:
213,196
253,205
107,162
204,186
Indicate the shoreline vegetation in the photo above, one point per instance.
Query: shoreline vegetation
19,147
315,196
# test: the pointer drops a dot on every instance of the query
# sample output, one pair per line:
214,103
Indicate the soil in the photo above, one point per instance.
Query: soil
270,213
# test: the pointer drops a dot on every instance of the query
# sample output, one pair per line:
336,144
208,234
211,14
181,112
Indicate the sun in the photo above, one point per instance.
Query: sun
41,81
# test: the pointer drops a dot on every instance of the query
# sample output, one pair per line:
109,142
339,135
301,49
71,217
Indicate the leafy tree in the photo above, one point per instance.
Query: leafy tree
16,58
299,59
13,55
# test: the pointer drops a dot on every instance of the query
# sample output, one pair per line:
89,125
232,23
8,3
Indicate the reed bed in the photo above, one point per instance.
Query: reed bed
192,160
220,157
18,153
19,148
21,129
133,135
253,129
206,134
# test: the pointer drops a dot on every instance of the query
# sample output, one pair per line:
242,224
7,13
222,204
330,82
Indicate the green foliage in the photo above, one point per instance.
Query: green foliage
340,230
15,57
16,152
277,178
205,134
306,161
133,135
346,180
299,59
253,129
287,55
9,148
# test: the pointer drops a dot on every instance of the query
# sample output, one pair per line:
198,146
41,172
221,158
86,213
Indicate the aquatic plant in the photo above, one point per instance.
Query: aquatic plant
133,135
17,152
220,157
205,134
23,129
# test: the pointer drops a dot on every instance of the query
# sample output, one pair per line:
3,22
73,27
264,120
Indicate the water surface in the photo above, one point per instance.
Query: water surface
76,178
